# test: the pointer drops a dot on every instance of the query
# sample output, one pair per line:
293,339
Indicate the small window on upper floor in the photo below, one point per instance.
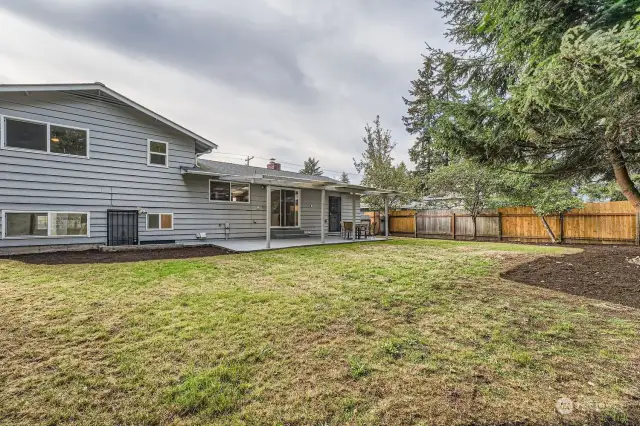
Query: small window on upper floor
158,154
45,137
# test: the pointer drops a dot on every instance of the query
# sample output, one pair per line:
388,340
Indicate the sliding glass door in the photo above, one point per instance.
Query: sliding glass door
285,208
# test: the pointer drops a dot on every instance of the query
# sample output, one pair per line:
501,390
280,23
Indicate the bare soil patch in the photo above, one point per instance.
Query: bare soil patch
609,273
95,256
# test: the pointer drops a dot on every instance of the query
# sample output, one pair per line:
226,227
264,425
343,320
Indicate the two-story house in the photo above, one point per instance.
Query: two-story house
83,166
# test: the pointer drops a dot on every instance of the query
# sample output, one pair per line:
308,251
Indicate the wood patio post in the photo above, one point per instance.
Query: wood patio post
386,217
499,226
638,228
353,215
322,196
561,237
268,216
415,224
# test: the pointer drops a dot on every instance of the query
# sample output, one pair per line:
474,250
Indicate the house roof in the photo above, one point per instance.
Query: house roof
241,170
263,176
103,93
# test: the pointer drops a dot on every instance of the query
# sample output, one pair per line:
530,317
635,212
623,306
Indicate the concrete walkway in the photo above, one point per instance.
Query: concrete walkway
246,245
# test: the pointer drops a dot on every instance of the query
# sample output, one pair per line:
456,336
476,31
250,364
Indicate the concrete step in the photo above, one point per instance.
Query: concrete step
288,233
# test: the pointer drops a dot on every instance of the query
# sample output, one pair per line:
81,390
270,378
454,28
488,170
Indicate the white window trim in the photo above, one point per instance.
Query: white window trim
166,156
242,203
3,141
299,191
49,225
160,221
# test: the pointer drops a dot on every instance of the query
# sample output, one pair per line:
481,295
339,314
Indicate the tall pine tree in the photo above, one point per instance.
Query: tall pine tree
426,96
533,84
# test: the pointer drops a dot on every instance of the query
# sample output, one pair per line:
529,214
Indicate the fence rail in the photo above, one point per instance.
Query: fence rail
615,222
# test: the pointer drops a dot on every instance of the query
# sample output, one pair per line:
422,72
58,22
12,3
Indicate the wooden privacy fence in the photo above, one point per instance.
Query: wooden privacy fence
615,222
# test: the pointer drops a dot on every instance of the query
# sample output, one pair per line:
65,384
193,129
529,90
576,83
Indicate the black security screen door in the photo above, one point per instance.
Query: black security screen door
335,213
122,227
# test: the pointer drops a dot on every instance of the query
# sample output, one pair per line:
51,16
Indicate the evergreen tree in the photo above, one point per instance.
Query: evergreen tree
549,88
377,168
344,177
311,167
422,111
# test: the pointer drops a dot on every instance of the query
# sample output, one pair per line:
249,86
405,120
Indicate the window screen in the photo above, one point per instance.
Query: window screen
68,141
240,192
26,135
69,224
27,224
158,153
159,221
219,191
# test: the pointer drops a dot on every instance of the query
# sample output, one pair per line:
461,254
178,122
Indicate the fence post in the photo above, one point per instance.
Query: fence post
638,228
499,226
415,224
561,237
453,225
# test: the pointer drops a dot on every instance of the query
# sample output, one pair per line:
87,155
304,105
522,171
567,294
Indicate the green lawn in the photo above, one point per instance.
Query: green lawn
400,332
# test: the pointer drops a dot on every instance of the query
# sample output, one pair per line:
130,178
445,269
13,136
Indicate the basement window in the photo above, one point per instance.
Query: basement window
30,135
45,224
159,221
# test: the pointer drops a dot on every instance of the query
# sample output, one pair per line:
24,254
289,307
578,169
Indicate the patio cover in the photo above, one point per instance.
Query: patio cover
295,180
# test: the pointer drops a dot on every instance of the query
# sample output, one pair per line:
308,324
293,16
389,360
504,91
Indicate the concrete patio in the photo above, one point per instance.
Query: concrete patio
259,244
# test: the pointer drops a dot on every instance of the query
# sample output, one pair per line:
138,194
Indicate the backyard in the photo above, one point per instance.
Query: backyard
398,332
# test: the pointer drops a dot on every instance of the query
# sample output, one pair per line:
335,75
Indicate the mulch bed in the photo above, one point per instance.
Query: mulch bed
95,256
599,272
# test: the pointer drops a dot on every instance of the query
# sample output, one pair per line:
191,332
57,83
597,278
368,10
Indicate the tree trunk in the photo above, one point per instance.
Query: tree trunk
623,179
549,230
475,227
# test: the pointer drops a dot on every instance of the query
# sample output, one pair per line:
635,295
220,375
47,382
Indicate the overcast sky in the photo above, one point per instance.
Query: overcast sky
290,79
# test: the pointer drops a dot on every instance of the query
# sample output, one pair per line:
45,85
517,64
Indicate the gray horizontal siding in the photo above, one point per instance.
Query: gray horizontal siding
116,176
311,209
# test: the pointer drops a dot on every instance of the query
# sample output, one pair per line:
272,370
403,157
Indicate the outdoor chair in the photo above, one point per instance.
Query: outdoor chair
346,228
365,228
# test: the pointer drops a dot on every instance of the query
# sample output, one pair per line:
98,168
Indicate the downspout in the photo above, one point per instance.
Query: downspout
203,153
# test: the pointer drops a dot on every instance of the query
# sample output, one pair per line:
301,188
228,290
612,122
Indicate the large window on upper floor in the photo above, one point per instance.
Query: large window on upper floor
18,133
157,153
229,191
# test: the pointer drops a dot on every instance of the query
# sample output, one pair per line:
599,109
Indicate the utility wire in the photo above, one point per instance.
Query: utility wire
244,157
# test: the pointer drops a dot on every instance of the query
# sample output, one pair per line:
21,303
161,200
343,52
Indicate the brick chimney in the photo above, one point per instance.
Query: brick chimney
273,165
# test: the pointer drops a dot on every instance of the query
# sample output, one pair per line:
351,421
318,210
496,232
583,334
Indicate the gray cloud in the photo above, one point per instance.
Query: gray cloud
291,78
254,58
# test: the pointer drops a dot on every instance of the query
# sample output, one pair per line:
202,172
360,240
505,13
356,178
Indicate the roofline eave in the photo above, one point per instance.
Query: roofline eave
8,88
292,182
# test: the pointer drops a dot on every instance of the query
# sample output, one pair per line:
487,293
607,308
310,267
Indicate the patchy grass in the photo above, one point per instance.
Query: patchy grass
399,332
214,391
